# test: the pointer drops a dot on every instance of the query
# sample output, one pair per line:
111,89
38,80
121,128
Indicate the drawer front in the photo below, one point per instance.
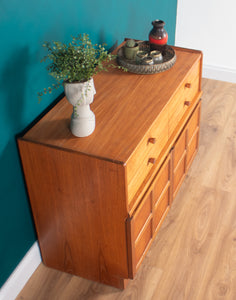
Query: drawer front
184,99
149,215
147,152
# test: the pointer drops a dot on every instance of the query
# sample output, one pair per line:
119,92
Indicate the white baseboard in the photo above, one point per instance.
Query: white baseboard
21,274
219,73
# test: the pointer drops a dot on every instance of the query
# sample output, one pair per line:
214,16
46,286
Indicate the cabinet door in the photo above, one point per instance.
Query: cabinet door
162,194
143,225
179,161
193,135
185,149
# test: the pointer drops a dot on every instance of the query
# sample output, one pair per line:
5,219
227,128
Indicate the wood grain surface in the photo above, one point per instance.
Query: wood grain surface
194,254
131,100
79,219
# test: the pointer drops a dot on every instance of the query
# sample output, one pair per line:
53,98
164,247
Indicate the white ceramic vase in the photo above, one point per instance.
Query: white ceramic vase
80,95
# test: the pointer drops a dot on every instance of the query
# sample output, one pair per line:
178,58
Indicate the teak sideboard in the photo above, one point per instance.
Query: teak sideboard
99,201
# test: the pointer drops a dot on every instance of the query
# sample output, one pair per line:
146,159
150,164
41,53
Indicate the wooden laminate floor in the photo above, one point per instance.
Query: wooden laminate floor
194,253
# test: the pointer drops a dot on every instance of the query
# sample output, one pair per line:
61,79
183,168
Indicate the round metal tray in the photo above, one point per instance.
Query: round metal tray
168,54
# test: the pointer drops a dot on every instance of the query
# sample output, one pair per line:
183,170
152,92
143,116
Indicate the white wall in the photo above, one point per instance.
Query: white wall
210,26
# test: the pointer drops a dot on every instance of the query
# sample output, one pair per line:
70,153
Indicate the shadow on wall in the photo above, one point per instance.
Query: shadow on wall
12,191
13,83
15,212
14,208
102,40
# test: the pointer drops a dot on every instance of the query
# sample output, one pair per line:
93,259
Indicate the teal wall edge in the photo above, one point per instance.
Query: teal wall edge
24,26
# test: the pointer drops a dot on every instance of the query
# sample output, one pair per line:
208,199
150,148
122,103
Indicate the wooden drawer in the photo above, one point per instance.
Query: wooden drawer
147,152
185,97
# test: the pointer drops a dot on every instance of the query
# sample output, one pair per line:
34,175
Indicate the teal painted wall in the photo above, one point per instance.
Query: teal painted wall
24,26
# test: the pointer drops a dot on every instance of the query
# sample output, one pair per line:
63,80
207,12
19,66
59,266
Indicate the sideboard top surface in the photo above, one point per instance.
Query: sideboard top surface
125,106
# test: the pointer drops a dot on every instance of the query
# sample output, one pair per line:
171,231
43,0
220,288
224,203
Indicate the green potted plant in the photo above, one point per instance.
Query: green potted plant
130,49
73,65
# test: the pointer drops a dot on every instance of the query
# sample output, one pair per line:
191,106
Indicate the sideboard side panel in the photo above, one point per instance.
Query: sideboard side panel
78,203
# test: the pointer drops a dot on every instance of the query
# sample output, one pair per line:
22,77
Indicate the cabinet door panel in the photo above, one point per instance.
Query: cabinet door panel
162,180
179,174
180,149
160,208
179,161
142,214
162,196
141,245
193,135
193,123
185,149
192,149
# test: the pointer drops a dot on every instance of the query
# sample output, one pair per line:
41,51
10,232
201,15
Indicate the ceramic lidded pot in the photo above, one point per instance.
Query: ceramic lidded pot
156,56
147,60
158,36
140,56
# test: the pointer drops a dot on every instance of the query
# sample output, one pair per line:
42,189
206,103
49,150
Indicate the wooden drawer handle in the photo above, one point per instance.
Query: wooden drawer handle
188,85
187,103
152,140
152,160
